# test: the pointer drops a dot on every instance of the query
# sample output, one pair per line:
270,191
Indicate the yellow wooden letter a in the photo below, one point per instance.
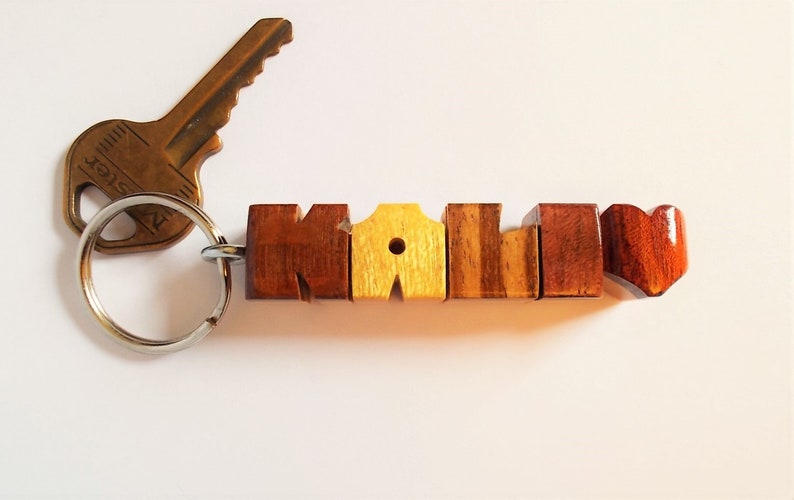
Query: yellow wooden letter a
398,244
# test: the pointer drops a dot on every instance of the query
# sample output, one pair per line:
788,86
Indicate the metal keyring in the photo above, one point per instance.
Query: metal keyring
88,241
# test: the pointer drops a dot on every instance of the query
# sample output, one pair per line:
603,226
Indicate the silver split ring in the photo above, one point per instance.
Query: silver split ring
88,241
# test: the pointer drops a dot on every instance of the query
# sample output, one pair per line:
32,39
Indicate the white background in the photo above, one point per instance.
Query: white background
688,395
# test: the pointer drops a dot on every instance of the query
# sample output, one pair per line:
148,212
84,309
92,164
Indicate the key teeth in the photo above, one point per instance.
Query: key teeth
209,105
281,33
282,37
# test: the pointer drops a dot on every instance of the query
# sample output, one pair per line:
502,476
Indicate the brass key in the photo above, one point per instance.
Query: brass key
122,157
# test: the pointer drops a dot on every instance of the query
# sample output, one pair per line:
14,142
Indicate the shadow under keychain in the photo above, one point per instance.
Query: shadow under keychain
150,170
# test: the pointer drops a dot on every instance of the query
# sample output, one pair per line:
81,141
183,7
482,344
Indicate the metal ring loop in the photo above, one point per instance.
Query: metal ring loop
235,254
88,241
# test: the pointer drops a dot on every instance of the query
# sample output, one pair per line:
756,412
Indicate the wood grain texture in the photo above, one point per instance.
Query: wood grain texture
484,262
292,258
647,250
398,242
571,260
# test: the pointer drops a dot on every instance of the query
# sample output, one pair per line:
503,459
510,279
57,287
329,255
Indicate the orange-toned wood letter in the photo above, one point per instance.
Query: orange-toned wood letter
484,262
290,258
398,244
571,260
647,250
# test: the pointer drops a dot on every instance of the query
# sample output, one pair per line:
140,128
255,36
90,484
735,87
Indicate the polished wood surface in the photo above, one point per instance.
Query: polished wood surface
570,249
398,243
561,250
647,250
484,262
293,258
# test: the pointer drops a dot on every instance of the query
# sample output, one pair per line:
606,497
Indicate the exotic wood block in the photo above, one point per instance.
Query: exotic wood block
647,250
398,244
570,249
290,258
484,262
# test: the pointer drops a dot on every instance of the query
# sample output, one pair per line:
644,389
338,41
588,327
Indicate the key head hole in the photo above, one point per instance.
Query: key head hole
397,246
92,199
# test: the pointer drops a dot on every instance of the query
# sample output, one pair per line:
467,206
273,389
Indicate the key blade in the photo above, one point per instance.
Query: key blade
121,157
207,107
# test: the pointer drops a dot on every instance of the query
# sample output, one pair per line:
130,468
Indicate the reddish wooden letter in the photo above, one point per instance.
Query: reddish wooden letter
570,249
290,258
648,251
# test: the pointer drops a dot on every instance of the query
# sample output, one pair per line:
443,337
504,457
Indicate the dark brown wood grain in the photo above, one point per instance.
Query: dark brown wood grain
570,249
484,262
290,258
647,250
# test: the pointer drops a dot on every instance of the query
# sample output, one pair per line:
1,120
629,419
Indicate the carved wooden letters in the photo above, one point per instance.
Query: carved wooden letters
648,251
290,258
398,242
556,253
570,249
485,263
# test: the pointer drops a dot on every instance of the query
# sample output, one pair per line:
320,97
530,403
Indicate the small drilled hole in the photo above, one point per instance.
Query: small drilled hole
397,246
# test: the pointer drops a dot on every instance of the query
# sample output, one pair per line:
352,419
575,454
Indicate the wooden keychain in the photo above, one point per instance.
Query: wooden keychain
150,170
